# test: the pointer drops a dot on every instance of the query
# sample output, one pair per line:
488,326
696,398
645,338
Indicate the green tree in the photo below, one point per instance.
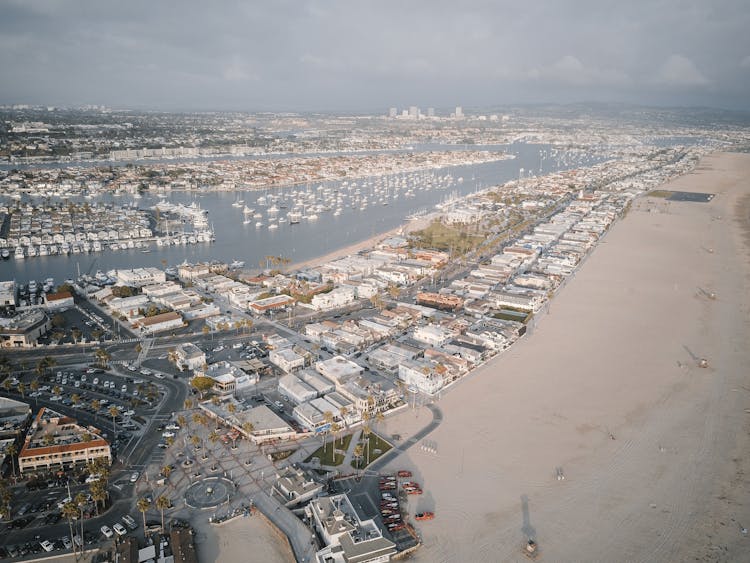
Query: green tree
58,320
11,451
102,357
70,513
202,384
358,451
162,503
80,501
98,490
114,413
328,417
143,505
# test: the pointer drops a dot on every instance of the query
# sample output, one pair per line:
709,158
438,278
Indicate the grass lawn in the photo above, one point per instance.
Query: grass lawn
660,193
438,236
328,457
376,443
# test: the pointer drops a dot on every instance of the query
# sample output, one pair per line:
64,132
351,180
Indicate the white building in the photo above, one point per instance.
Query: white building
297,390
338,369
286,359
337,297
189,356
434,335
422,375
138,277
348,539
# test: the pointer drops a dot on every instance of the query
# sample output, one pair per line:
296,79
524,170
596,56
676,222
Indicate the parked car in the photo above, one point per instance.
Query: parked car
119,529
106,531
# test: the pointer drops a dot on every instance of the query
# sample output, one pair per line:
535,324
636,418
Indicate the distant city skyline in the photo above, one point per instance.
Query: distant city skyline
372,56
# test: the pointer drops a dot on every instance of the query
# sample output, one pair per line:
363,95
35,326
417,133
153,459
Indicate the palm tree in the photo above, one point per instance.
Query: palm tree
7,384
70,512
34,385
76,334
80,501
162,503
75,398
195,440
181,420
335,429
143,505
328,417
358,451
57,390
102,356
248,428
114,413
11,451
213,437
98,490
21,389
188,404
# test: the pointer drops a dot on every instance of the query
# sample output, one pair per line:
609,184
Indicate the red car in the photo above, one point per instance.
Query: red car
404,474
424,516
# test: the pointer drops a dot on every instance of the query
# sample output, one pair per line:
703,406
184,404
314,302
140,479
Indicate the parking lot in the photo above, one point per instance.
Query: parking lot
381,505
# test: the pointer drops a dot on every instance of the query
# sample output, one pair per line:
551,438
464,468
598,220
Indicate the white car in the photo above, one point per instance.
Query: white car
106,531
168,434
134,477
120,529
173,426
132,368
47,545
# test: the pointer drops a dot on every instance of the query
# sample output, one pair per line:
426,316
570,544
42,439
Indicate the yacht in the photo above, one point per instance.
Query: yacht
5,253
20,254
259,224
294,217
273,226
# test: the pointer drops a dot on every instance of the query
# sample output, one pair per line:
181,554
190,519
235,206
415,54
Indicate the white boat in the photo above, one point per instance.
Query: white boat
259,224
43,251
294,217
273,226
248,211
236,264
19,253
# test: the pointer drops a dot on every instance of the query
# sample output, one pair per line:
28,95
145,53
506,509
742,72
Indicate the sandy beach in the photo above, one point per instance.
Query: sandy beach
241,539
413,225
608,387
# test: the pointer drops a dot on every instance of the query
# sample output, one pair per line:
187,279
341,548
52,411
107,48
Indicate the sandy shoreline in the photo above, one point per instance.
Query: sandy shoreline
617,354
408,227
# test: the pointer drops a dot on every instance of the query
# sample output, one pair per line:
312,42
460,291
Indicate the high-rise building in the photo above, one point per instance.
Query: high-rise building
459,112
430,112
413,112
393,112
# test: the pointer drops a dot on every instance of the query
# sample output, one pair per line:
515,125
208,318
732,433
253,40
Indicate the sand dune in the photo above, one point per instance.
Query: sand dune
616,355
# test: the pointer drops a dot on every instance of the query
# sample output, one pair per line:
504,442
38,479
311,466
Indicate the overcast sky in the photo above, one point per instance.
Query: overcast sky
370,55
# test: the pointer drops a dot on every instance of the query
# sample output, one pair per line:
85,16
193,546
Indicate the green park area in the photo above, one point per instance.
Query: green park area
371,451
329,454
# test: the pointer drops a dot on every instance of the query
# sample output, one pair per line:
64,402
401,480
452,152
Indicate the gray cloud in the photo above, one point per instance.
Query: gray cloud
368,55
